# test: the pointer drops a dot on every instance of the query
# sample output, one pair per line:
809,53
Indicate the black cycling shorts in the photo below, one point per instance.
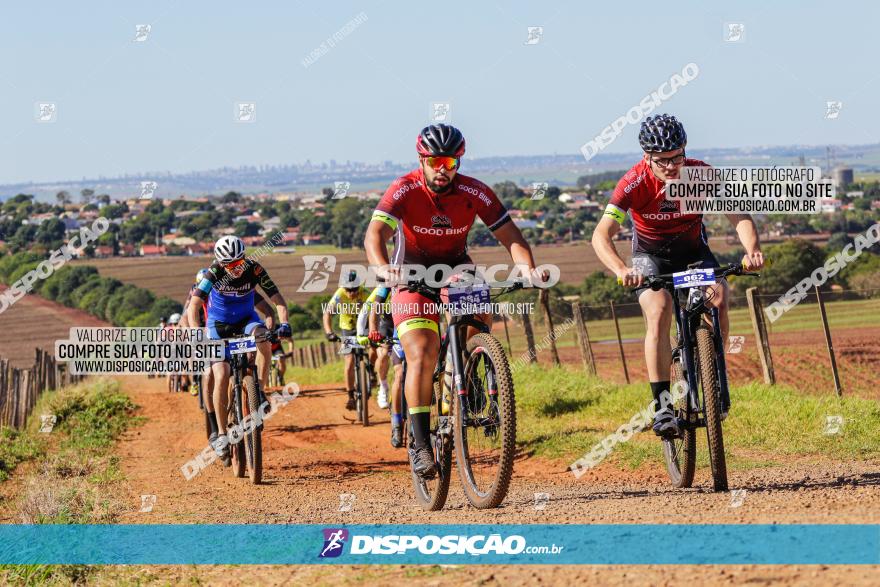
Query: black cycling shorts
648,264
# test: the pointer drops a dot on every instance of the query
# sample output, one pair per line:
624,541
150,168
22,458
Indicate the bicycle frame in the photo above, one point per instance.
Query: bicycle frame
454,340
239,365
686,320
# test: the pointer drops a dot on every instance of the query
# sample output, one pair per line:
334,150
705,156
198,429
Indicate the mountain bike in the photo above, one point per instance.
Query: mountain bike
697,361
478,420
363,377
247,398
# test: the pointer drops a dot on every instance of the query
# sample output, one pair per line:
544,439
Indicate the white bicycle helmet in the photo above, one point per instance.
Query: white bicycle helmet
229,249
174,318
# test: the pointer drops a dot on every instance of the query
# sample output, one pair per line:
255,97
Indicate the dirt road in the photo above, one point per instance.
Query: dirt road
313,454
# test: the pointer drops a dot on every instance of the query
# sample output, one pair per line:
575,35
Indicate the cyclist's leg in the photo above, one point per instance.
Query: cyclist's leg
421,344
349,371
217,379
383,361
396,401
657,310
415,317
256,327
282,367
220,374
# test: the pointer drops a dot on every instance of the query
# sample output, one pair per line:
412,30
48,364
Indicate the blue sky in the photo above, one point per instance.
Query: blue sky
168,103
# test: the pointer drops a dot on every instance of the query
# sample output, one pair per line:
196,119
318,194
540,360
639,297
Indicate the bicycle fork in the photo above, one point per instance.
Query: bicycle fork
720,362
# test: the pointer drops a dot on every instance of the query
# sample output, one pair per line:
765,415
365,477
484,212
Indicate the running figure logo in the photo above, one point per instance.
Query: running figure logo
334,540
319,268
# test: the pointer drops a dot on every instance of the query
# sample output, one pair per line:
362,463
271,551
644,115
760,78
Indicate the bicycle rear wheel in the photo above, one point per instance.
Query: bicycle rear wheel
680,453
253,440
485,424
431,494
712,402
363,404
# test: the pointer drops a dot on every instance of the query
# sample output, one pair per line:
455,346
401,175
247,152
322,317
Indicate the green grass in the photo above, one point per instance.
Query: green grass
17,447
329,373
562,414
75,475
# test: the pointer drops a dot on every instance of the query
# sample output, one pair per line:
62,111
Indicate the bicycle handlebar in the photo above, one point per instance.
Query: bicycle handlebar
657,282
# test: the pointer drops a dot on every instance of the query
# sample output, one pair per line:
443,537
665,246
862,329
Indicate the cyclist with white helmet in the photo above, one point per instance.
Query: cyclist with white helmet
228,288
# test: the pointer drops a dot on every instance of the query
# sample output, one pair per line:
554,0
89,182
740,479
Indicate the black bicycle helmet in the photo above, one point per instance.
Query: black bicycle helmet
662,133
352,282
440,140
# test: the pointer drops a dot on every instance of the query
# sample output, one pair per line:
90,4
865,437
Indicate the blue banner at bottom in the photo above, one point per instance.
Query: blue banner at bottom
440,544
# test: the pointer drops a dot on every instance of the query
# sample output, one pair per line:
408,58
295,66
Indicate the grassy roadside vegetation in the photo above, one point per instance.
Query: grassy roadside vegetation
562,414
74,477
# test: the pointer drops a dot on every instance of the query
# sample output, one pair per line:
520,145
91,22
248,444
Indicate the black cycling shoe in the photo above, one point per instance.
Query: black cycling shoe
423,464
666,424
221,452
397,436
351,404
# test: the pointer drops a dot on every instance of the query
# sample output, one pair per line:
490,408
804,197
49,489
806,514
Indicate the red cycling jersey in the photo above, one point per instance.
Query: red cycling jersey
433,228
658,226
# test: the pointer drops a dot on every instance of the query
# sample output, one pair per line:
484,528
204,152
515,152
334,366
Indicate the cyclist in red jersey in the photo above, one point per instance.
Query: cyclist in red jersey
429,212
664,241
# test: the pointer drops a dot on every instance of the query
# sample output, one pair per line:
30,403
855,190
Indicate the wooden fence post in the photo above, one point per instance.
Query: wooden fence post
762,342
834,372
619,342
544,299
507,333
584,340
530,338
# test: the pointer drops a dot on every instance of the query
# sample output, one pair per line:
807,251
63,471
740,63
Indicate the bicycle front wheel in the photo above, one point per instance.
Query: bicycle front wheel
239,458
680,453
712,402
485,423
253,441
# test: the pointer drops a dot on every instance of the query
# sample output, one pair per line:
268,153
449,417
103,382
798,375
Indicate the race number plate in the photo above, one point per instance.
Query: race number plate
240,346
693,278
468,300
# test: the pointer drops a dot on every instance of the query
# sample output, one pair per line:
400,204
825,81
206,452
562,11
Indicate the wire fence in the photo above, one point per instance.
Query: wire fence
20,388
827,342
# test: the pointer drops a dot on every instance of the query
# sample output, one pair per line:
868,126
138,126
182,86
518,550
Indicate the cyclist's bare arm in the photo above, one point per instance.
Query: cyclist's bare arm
748,236
604,246
192,309
280,307
509,235
373,319
327,312
263,307
184,316
378,233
